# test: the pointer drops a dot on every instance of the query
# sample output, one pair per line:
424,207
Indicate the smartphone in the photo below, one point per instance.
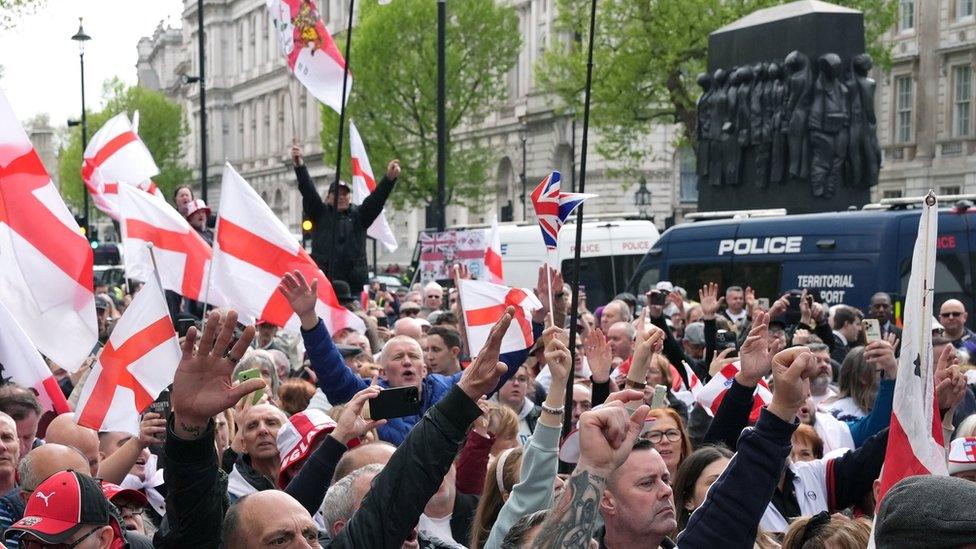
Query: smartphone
382,286
253,373
794,303
725,339
397,402
660,397
763,302
872,329
382,322
657,297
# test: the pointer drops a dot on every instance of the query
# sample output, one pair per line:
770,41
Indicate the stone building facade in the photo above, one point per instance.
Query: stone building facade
255,106
926,123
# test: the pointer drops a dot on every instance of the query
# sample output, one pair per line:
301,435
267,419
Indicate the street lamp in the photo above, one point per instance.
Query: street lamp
441,114
81,37
523,135
642,199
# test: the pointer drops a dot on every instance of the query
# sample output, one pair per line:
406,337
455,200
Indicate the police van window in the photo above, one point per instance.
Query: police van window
624,267
762,277
950,279
693,276
596,275
650,277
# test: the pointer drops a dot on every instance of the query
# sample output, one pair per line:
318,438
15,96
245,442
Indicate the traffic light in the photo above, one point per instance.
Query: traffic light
306,232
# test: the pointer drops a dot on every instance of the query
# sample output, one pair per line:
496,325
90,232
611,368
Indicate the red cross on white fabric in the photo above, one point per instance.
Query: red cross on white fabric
490,315
24,212
970,448
190,243
115,371
103,154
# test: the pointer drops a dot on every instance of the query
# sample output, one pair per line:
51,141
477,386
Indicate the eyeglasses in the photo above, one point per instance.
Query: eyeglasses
673,435
950,314
38,544
411,312
129,508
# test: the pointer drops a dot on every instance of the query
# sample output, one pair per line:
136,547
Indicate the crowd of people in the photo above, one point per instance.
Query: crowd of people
293,459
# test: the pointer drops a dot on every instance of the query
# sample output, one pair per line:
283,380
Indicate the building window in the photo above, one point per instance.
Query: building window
906,15
903,98
891,194
962,98
688,192
945,191
964,8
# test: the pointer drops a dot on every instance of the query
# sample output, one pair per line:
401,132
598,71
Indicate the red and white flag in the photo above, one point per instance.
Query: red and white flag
493,256
915,441
134,367
309,50
183,257
115,155
23,364
363,185
484,303
45,262
710,396
254,250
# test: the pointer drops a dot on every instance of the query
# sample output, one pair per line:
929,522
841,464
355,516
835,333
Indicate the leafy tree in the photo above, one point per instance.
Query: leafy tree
394,93
162,128
647,55
11,10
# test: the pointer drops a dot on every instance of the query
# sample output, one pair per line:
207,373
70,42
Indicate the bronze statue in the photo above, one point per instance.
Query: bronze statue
829,125
703,133
865,154
720,126
742,80
798,85
776,103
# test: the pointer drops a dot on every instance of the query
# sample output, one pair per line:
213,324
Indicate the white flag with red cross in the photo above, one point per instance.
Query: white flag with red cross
254,250
710,396
183,257
308,48
493,256
45,262
137,363
116,156
363,185
484,303
23,364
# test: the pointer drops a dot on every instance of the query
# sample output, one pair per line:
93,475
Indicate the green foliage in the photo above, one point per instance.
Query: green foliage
12,10
647,55
161,127
394,92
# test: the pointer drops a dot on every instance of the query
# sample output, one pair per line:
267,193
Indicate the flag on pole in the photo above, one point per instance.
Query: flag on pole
46,268
137,363
115,155
254,250
915,441
710,396
309,50
183,257
493,256
552,207
21,363
363,185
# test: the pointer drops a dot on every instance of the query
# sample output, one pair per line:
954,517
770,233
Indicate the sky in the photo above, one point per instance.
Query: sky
40,61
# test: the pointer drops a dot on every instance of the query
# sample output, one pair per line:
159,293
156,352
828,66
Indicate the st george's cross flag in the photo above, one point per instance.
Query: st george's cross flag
363,185
45,262
553,206
493,256
308,48
135,366
116,156
21,363
710,396
254,250
915,441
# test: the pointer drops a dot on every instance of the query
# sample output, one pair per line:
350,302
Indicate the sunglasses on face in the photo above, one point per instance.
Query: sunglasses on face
34,543
411,312
950,314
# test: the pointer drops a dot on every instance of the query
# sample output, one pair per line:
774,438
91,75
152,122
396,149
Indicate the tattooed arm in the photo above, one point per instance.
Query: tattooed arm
606,438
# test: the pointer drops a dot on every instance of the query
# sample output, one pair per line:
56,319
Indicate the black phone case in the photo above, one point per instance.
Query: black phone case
393,403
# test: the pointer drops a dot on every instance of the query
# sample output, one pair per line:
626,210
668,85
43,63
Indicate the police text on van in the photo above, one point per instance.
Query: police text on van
759,246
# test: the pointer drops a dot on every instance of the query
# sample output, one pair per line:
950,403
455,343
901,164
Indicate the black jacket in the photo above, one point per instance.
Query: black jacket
349,256
465,506
413,475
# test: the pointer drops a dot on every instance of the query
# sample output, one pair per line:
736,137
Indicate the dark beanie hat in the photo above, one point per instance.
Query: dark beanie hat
927,511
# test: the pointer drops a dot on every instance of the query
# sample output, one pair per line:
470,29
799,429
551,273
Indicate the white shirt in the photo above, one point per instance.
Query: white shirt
845,409
737,317
439,528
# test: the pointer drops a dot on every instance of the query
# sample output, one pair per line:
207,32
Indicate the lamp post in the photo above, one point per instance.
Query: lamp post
642,199
441,115
81,37
523,135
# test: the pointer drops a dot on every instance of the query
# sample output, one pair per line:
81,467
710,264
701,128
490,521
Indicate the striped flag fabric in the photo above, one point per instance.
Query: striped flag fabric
915,441
116,156
363,185
710,396
493,256
23,364
552,207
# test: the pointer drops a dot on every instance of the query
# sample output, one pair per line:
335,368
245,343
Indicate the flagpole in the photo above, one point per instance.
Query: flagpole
342,124
213,259
574,307
552,319
152,257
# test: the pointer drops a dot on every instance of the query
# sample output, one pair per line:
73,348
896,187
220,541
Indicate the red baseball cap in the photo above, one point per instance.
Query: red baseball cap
117,494
61,506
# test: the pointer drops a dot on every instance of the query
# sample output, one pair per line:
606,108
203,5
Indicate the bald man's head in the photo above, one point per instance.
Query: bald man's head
409,327
44,461
64,430
365,454
258,520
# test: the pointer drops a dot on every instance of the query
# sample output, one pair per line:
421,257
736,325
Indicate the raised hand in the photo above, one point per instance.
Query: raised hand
202,386
792,369
557,354
755,357
750,298
301,297
720,360
485,370
806,308
950,383
152,429
393,170
351,423
598,355
780,306
607,435
649,342
296,153
710,302
542,292
881,354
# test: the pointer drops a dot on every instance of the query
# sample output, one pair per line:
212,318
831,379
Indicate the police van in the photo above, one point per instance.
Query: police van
844,256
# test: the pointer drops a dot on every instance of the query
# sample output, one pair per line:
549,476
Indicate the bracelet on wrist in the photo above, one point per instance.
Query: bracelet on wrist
553,411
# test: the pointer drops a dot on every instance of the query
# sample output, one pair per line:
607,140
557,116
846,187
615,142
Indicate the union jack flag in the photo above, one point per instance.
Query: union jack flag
552,207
